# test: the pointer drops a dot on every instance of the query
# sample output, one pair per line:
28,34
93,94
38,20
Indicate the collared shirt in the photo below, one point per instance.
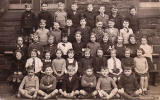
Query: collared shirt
64,47
125,34
103,19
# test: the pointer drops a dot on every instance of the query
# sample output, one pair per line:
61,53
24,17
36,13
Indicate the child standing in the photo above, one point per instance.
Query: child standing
56,32
102,17
64,46
99,31
104,85
126,31
120,47
60,15
128,85
141,69
88,83
43,33
93,45
30,85
48,84
114,66
47,62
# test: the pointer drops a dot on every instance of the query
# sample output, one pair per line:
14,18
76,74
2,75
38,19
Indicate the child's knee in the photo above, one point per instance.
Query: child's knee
82,92
77,92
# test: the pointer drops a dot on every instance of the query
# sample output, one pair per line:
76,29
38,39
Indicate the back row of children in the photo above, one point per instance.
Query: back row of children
70,54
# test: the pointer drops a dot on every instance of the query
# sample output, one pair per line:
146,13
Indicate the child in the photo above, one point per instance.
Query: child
114,66
51,46
64,45
127,61
88,83
70,30
43,33
78,46
93,45
70,85
111,31
35,62
99,60
120,47
105,84
48,84
126,31
35,45
99,31
47,62
102,17
17,70
56,32
71,61
30,85
116,16
59,67
141,69
74,15
28,22
85,30
90,16
60,15
45,15
106,45
128,85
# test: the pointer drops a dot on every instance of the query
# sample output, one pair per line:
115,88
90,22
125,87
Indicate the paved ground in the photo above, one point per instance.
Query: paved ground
6,93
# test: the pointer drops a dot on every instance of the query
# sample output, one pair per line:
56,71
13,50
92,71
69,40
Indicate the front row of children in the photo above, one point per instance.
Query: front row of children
100,84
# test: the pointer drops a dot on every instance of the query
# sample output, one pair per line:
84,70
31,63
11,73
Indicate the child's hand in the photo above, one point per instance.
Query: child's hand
15,73
49,86
91,84
59,75
34,96
19,73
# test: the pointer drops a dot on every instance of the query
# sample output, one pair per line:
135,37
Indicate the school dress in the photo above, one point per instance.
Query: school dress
104,19
125,33
99,34
57,33
52,48
93,46
60,17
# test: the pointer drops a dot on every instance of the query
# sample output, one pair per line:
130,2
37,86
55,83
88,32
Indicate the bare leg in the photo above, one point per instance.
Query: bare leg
51,94
25,93
142,83
113,93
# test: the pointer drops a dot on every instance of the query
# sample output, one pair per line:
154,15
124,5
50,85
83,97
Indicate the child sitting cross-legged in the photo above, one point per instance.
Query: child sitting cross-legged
88,83
104,85
128,85
48,84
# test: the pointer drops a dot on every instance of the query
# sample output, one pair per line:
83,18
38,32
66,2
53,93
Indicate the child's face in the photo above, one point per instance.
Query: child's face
33,54
113,54
65,39
120,40
133,11
42,25
20,40
139,53
100,53
18,55
87,54
90,7
48,71
71,72
128,72
127,53
70,54
144,41
104,72
47,55
111,24
51,40
125,24
28,8
78,37
74,7
99,24
61,7
105,39
31,72
102,9
56,26
114,10
89,72
35,38
93,38
69,23
44,7
83,22
132,40
59,54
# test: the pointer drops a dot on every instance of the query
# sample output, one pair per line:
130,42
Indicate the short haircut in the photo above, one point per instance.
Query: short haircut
44,2
30,68
87,50
112,20
132,7
70,51
140,49
78,32
104,68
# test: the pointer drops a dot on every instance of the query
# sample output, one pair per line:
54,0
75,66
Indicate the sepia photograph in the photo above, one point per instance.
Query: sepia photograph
79,49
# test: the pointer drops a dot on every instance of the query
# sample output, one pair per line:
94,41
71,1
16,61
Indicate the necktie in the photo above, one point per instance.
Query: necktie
33,62
114,63
69,31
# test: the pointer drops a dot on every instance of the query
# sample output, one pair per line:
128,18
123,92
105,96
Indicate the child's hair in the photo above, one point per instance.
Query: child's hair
128,49
99,49
31,67
47,51
132,7
74,3
56,23
44,2
140,49
118,38
27,4
112,20
126,20
93,34
127,68
64,35
60,3
34,50
88,67
114,6
58,50
52,36
78,32
83,18
104,68
20,51
87,50
70,51
144,36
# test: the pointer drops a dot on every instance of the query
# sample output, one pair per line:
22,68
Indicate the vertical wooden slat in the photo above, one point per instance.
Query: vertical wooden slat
36,6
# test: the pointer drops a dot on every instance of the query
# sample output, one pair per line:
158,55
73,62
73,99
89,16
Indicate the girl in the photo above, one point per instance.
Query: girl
59,67
141,69
47,62
56,32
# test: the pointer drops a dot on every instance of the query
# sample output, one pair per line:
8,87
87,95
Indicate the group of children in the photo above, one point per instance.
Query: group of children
80,54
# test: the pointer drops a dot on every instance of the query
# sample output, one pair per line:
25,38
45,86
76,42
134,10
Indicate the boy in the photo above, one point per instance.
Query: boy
102,17
104,85
56,32
45,15
128,85
48,84
60,15
30,85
